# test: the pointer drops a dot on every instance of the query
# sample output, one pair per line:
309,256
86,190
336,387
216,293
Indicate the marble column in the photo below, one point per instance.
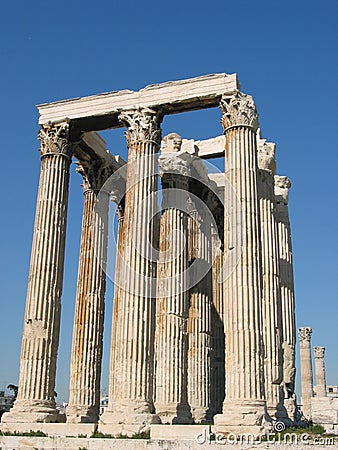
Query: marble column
199,317
282,185
36,395
173,292
86,356
304,335
244,408
319,353
131,404
272,320
217,324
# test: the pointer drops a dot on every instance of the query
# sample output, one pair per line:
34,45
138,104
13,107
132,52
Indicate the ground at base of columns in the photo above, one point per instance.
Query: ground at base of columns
66,443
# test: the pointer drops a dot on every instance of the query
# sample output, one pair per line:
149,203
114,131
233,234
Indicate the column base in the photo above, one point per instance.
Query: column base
33,411
173,413
117,424
128,418
246,416
82,414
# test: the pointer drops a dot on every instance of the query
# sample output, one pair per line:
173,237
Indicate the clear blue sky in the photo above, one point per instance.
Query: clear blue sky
285,54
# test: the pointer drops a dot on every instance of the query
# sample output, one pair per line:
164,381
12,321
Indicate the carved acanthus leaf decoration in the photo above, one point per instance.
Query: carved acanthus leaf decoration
54,139
304,334
95,174
239,109
142,125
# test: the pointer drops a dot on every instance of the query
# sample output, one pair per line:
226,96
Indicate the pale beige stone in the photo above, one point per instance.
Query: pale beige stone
286,281
131,399
244,404
272,314
35,401
170,97
304,335
171,339
319,353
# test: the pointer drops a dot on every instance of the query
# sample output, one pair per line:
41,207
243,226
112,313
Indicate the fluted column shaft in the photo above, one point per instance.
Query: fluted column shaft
86,357
319,353
304,335
199,320
282,185
132,352
35,401
173,295
272,325
242,289
217,372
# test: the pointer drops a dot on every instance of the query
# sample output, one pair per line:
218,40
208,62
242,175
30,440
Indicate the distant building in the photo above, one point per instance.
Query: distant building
332,391
6,402
103,404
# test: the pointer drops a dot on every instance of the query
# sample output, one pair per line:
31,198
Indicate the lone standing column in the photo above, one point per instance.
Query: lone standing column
35,401
131,404
244,408
272,320
85,369
173,302
304,335
319,353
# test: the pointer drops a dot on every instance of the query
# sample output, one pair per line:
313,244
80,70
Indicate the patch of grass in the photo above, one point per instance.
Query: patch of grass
142,435
99,435
316,429
30,433
121,436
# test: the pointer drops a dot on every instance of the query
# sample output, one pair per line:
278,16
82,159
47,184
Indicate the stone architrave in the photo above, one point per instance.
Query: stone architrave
131,404
319,353
36,395
86,356
244,409
286,282
172,290
304,335
272,314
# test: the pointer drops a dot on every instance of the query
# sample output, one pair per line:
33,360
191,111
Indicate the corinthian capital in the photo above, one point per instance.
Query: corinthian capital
142,125
54,139
238,109
304,334
94,173
319,352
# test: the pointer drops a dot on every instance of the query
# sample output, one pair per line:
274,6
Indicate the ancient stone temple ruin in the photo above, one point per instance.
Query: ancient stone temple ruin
203,326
